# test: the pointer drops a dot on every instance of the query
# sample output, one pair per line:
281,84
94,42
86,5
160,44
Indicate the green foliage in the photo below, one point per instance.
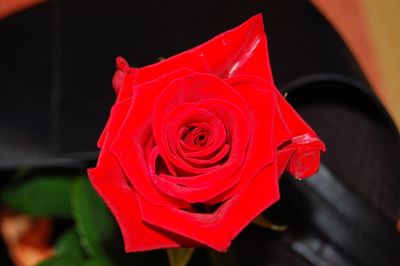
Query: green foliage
85,245
263,222
94,239
179,256
223,259
68,251
41,196
94,223
61,261
68,245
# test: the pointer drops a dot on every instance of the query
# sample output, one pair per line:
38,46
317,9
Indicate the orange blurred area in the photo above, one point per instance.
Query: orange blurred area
351,22
371,30
26,238
9,7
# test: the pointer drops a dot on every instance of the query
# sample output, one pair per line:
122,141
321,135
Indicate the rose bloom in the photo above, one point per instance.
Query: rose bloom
195,144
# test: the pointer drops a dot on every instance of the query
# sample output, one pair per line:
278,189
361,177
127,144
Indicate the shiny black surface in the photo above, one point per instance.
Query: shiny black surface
58,61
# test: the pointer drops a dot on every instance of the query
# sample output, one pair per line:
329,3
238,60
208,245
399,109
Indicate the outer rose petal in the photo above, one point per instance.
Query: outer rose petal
110,182
284,156
218,229
240,51
302,151
122,82
297,144
122,71
121,199
117,117
305,160
245,206
290,119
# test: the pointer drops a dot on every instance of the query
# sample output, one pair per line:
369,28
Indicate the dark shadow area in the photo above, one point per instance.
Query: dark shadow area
58,61
363,145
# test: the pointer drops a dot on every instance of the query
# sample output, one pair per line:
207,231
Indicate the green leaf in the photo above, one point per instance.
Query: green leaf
179,256
68,245
223,259
94,223
100,261
41,196
263,222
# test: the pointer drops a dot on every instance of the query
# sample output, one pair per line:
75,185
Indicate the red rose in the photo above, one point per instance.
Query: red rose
194,145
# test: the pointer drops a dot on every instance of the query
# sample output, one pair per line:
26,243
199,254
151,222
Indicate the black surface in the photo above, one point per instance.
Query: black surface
363,148
25,70
58,61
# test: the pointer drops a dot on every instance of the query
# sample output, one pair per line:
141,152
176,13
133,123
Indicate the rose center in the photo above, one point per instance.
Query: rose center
200,140
196,137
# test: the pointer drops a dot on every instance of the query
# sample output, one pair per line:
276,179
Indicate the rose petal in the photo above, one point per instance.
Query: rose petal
305,160
122,82
288,126
190,115
121,199
261,151
110,182
202,228
218,229
207,163
190,194
234,121
240,51
123,69
240,210
117,117
284,156
203,187
301,132
106,159
216,141
194,88
290,118
134,134
304,163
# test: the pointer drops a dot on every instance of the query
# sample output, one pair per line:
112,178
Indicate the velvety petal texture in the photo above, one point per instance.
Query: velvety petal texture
194,145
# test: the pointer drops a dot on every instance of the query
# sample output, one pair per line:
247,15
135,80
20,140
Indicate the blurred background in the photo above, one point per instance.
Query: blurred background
369,28
339,62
